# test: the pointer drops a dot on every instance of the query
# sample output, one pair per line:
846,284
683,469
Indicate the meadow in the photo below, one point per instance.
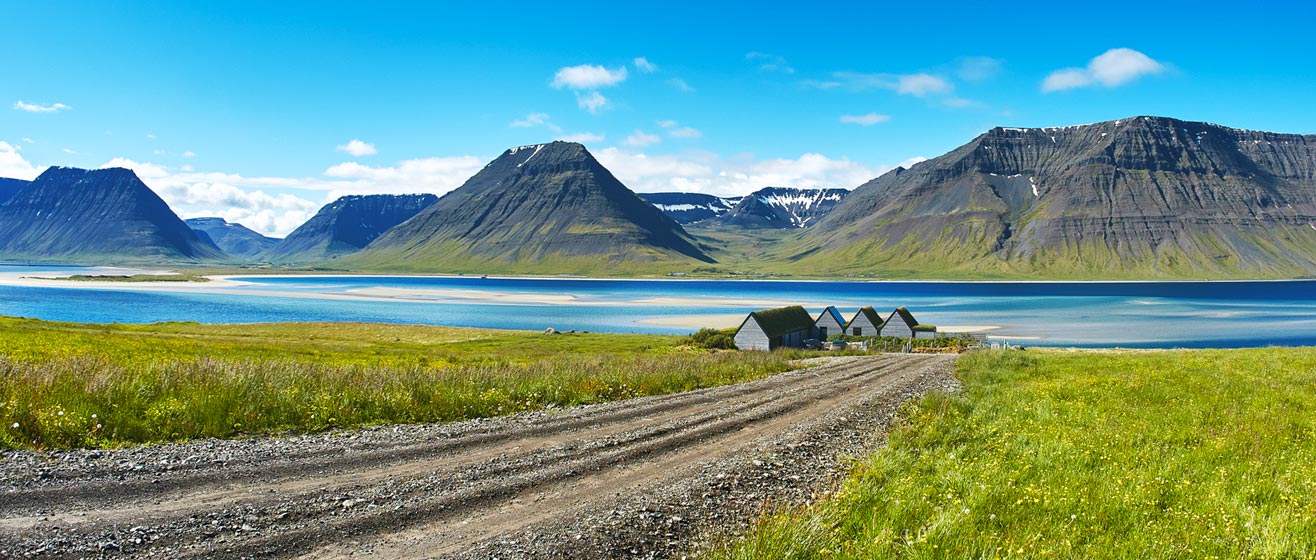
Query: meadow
66,385
1087,454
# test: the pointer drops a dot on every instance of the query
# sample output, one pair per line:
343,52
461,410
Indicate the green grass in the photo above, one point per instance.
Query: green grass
1176,454
134,278
68,385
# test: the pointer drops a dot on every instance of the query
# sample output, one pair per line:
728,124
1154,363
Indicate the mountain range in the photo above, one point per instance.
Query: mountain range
77,215
234,239
1144,197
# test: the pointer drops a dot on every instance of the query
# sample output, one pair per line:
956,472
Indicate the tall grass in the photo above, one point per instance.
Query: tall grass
1184,454
67,385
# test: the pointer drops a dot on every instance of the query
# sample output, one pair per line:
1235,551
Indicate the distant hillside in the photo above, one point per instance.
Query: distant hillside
233,239
688,208
782,208
10,187
345,226
548,208
1142,197
97,216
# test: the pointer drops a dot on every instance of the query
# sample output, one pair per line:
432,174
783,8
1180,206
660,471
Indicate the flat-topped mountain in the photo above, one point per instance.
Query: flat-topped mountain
783,208
234,239
345,226
548,208
688,208
1145,197
10,187
96,216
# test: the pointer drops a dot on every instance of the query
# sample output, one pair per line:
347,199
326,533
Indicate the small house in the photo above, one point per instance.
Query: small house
829,322
866,322
901,323
770,329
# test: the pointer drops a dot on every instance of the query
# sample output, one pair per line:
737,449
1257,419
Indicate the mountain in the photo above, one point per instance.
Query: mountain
782,208
10,187
101,216
345,226
687,208
546,208
234,239
1140,197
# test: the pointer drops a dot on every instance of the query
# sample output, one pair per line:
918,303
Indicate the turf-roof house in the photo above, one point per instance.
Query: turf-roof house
901,323
770,329
866,322
829,322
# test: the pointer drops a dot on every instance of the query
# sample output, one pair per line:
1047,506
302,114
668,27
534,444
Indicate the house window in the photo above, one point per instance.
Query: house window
822,332
858,331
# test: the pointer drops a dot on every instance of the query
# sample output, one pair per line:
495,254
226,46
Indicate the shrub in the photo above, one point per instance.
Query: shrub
714,339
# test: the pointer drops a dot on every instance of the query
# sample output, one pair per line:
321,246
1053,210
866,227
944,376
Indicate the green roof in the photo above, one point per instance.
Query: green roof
782,320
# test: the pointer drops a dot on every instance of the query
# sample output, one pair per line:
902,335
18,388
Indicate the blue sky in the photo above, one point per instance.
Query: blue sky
248,110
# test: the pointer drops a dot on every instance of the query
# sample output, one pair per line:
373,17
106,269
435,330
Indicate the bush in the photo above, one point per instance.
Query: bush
714,339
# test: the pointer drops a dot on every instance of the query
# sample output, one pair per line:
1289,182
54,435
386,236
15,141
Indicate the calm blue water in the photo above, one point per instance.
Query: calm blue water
1155,314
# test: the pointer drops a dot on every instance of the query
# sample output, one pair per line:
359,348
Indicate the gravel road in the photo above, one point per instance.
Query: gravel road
655,477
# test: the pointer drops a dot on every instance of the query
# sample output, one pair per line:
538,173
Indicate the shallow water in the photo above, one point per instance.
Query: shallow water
1127,314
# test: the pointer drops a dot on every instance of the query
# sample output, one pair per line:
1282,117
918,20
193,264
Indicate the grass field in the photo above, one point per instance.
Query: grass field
1172,454
80,385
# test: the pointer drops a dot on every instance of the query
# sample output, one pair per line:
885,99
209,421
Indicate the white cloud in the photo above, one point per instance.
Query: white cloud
640,139
189,154
920,85
865,120
536,119
12,164
680,85
977,68
36,108
70,151
150,136
770,62
917,85
29,140
668,123
642,64
684,132
158,152
436,175
587,76
592,101
1112,68
581,137
359,148
735,176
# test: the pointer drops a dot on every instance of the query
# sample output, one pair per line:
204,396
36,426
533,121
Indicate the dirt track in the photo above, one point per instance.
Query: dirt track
650,477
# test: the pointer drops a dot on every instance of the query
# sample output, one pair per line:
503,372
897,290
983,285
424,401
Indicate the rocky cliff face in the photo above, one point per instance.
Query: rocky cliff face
234,239
345,226
783,208
688,208
1148,195
96,216
547,207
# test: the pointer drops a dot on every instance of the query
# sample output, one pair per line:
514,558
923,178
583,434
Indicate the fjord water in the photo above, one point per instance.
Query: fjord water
1096,314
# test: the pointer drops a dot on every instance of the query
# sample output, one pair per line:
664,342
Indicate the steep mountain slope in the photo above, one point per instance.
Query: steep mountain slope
97,216
1140,197
345,226
777,207
687,208
548,208
10,187
234,239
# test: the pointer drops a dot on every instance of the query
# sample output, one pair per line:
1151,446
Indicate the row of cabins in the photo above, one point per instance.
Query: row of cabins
789,327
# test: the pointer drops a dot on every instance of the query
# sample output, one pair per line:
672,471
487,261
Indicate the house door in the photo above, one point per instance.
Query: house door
822,333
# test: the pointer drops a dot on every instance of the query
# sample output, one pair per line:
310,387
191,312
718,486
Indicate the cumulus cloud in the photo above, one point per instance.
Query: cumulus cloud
769,62
640,139
12,164
685,132
359,148
29,140
277,205
581,137
680,85
642,64
588,76
1112,68
189,154
734,176
38,108
592,101
865,120
917,85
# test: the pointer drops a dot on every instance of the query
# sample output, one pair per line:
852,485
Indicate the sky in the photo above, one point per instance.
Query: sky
261,112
